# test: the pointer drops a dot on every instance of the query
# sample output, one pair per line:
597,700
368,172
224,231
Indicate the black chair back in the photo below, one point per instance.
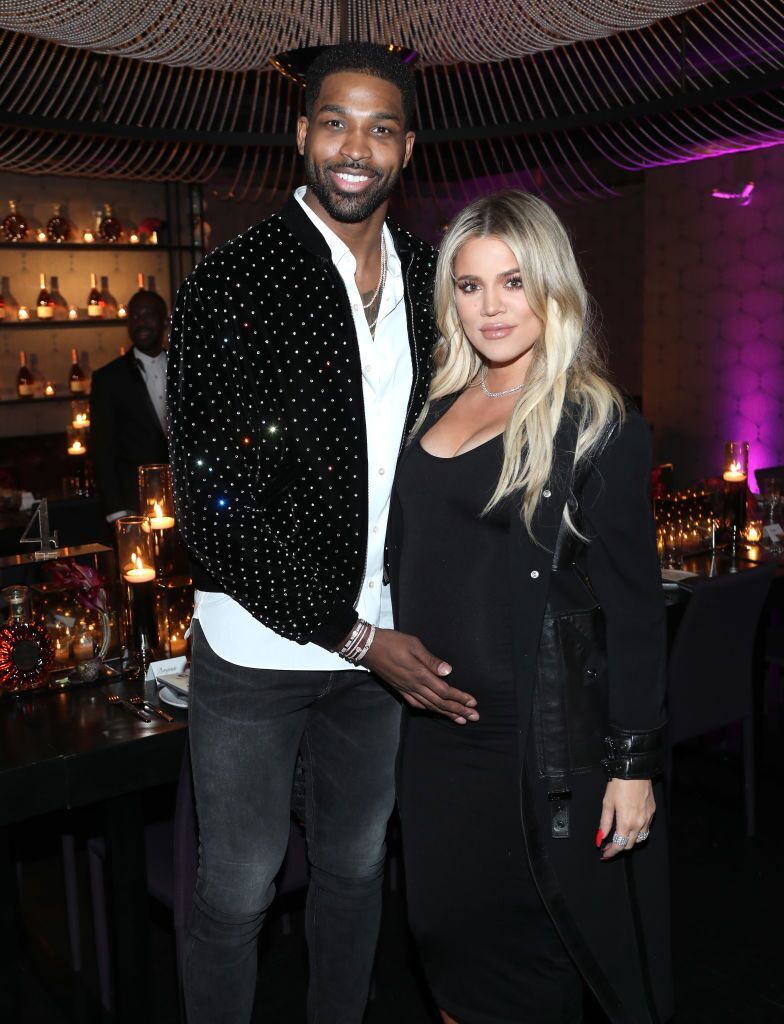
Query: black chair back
774,472
710,667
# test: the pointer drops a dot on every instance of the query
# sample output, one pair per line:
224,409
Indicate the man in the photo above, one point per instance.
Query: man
128,409
300,358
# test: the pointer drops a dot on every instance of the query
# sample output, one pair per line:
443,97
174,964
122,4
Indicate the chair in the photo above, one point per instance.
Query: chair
710,666
172,858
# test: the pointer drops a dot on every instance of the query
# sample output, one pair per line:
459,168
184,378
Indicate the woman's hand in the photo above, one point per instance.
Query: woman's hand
627,809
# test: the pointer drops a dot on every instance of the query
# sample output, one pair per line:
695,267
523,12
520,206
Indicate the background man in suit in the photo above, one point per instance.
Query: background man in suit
128,408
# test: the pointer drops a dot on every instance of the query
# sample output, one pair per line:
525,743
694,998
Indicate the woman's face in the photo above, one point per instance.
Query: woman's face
491,304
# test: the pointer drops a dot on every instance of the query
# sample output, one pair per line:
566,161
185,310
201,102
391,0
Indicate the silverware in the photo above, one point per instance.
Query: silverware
114,699
149,706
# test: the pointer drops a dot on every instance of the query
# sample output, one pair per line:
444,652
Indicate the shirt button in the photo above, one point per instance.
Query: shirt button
371,584
381,471
535,574
368,368
546,493
375,529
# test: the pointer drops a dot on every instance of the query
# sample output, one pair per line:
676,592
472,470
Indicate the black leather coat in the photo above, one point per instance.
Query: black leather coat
589,663
267,424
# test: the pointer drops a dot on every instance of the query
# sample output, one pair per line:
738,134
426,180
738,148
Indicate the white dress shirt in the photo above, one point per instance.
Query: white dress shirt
232,632
154,372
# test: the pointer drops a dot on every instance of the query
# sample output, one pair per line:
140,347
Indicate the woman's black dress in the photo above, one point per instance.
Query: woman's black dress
489,948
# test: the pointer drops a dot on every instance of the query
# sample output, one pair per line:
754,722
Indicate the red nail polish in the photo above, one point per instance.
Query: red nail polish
599,837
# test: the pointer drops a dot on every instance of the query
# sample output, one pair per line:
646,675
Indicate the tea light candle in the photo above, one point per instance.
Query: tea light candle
133,238
77,448
41,235
153,239
50,390
83,647
81,421
122,312
177,645
754,532
23,313
73,313
61,656
735,474
88,236
139,572
159,521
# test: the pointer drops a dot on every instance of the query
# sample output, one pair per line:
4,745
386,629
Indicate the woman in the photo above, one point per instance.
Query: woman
522,552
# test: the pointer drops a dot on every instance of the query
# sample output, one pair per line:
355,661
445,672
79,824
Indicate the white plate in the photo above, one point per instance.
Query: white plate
170,697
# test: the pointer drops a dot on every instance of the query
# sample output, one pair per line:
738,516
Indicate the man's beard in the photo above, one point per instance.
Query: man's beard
348,208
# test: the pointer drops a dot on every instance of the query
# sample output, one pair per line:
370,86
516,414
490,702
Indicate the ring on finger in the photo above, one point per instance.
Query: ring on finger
642,836
619,840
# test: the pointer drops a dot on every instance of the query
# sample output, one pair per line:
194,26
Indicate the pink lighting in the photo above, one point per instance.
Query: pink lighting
742,198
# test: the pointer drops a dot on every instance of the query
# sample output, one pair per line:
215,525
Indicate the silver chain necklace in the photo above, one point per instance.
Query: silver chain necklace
498,394
381,276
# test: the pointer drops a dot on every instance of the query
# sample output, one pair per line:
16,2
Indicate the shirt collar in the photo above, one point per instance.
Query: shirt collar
146,360
338,249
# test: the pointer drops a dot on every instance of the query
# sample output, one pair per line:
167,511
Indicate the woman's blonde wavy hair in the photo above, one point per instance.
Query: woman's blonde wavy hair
567,367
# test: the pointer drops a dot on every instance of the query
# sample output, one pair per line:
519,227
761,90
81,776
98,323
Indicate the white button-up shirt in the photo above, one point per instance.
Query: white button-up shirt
154,372
231,631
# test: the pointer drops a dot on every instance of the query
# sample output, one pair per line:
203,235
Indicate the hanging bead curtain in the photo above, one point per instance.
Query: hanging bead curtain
244,35
706,82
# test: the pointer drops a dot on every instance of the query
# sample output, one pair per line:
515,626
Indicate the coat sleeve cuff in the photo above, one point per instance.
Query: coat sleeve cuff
635,755
331,633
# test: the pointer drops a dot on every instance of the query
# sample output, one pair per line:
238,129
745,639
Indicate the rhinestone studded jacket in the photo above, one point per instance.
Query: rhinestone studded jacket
267,423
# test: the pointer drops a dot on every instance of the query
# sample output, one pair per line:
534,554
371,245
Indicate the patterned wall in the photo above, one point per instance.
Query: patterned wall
713,311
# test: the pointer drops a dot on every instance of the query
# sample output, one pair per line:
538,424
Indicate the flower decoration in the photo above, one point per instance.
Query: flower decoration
88,585
150,224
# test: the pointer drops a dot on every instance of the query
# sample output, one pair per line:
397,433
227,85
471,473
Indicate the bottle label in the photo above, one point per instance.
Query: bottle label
78,386
44,312
95,311
25,390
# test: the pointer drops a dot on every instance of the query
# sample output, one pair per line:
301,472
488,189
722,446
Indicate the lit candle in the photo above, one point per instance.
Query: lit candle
177,645
41,235
83,647
88,236
139,572
735,474
754,532
77,448
133,238
153,239
160,521
73,313
50,390
61,656
23,313
81,421
122,312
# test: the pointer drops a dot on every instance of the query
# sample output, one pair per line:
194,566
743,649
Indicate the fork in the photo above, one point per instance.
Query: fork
140,702
114,699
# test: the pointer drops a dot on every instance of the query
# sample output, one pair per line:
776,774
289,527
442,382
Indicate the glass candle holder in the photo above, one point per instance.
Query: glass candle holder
736,475
50,389
80,419
137,572
157,505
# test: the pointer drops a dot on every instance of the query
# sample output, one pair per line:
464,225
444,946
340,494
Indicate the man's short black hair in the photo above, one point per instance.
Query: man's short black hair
151,297
367,59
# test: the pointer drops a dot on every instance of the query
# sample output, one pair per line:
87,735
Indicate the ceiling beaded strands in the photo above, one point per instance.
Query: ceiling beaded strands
543,94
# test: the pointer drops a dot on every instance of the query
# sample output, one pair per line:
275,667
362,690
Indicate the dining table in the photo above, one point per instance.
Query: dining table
61,750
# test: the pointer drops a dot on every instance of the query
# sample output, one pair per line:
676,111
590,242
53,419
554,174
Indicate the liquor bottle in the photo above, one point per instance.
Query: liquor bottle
44,304
14,225
5,294
26,649
109,228
24,379
60,305
95,302
57,228
110,306
140,281
77,380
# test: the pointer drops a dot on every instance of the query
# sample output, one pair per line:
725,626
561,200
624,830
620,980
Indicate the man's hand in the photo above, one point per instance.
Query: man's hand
404,662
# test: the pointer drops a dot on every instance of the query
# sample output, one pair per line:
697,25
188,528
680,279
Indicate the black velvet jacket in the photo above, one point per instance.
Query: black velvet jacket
267,424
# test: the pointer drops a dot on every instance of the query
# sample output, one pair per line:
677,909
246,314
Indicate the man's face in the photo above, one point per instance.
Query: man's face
355,144
146,324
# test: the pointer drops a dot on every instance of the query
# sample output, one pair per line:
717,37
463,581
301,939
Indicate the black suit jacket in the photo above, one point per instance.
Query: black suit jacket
125,432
